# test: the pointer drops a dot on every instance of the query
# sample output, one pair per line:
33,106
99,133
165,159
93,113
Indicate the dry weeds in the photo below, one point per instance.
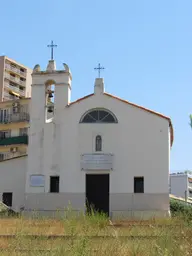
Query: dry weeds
94,235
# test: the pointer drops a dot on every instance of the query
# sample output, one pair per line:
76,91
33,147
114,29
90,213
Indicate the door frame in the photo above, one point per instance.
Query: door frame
95,172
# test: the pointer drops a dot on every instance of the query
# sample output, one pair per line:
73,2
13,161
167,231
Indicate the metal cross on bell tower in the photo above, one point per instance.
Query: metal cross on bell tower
52,46
99,68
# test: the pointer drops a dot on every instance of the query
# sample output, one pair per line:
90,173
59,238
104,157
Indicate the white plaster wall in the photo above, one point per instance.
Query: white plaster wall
28,83
12,179
179,185
139,142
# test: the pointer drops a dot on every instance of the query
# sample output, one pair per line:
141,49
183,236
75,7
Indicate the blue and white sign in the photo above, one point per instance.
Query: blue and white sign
37,180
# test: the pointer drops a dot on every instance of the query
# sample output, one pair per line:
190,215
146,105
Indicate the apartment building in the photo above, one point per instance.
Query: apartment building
14,124
15,80
181,185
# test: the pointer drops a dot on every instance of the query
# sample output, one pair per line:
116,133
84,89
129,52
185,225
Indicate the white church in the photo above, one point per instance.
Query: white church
99,151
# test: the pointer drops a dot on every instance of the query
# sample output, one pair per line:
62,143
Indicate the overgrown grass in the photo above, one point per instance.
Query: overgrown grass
95,235
181,209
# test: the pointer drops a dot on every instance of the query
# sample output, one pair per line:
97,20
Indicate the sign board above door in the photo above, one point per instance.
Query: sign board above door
96,162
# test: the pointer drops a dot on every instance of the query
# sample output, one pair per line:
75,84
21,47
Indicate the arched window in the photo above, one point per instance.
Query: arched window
98,116
98,143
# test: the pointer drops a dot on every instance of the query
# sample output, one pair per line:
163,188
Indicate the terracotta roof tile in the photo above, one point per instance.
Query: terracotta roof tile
80,99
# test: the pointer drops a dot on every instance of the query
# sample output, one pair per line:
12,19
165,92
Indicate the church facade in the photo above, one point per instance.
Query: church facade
99,151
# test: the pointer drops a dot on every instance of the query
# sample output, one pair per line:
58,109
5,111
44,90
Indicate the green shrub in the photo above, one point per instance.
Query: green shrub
182,209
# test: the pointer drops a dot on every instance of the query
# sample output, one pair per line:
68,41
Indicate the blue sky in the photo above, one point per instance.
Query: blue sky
145,46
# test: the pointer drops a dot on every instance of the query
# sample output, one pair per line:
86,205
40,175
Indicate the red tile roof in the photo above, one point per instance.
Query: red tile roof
134,105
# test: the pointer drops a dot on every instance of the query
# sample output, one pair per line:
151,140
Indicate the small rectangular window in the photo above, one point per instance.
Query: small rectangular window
23,131
7,199
12,84
138,184
54,184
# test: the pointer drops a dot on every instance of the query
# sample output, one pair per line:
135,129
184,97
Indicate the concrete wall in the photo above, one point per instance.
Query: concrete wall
28,83
179,184
121,204
12,179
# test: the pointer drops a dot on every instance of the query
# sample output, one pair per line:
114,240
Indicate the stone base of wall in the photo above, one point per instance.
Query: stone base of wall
139,215
122,206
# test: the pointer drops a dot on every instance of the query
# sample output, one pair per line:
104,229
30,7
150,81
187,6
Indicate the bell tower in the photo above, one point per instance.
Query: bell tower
51,92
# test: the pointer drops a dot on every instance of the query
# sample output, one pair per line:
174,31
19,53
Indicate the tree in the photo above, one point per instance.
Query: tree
190,118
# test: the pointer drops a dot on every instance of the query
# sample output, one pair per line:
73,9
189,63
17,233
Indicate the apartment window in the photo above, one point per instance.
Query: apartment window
5,134
138,184
13,65
1,157
54,184
22,70
13,75
22,79
4,114
24,108
23,131
21,88
13,85
16,110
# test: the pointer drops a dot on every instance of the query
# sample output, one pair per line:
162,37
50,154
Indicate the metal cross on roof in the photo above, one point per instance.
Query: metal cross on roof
99,68
52,46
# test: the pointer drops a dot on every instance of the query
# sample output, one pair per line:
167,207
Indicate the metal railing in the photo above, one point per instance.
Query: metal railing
14,118
8,156
14,88
8,96
14,140
15,79
16,70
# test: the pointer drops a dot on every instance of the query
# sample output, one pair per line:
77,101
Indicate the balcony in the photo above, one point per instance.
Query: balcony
15,118
8,96
15,79
16,89
8,156
15,70
14,140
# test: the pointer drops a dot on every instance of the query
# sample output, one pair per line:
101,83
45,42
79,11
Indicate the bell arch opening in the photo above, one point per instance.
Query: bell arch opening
50,98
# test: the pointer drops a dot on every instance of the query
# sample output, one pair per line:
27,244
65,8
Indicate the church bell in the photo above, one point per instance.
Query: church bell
50,109
50,95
